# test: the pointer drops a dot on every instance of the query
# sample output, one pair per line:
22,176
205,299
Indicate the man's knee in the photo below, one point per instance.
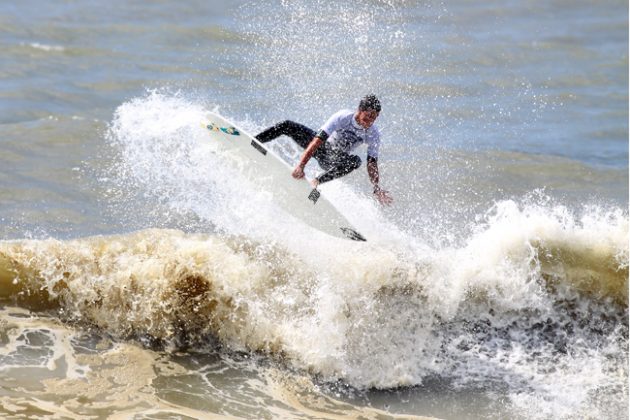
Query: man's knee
354,162
285,126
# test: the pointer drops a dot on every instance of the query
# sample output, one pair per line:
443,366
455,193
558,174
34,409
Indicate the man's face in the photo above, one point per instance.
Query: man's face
366,118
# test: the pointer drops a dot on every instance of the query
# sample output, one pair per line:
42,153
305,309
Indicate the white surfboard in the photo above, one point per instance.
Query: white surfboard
265,169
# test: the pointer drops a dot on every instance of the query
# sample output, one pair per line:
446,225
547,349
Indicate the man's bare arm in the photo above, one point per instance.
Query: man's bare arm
382,196
298,172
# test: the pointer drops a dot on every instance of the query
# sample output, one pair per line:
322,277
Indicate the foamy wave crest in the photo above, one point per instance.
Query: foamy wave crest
585,251
380,317
158,284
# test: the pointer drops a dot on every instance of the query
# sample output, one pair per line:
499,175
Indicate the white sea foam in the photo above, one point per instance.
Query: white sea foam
46,47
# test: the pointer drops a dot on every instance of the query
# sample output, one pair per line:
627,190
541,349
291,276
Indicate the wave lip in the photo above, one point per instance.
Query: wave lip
585,253
151,283
167,285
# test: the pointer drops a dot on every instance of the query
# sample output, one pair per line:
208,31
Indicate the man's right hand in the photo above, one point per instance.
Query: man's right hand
298,172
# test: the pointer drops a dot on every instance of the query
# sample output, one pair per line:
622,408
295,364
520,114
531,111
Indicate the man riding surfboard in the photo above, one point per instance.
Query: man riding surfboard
330,146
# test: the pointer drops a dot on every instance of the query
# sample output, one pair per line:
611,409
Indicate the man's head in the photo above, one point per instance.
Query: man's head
368,111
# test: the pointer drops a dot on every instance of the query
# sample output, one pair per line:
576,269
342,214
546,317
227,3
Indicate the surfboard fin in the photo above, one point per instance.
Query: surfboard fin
353,234
258,147
314,195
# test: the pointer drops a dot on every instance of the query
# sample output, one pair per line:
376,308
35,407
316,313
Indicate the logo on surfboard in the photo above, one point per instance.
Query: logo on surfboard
227,130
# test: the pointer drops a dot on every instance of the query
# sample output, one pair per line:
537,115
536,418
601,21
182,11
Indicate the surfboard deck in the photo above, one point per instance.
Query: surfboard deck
265,169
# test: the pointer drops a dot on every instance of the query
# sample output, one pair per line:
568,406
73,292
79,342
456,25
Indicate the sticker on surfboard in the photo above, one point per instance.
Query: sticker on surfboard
227,130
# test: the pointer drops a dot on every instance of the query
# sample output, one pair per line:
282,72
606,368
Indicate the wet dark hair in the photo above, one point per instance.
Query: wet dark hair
370,102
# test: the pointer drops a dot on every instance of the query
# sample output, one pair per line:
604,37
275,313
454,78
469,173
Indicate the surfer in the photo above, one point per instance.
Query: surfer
330,146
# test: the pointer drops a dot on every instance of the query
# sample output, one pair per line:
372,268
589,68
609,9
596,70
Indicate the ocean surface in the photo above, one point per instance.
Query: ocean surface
143,277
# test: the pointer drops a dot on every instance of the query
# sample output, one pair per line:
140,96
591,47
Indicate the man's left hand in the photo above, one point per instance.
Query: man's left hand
383,197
